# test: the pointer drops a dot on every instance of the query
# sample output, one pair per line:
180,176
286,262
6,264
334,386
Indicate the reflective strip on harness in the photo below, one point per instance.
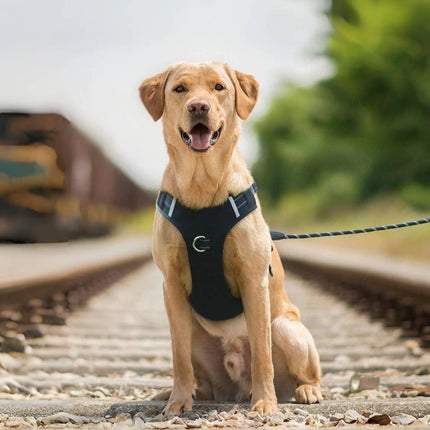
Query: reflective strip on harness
233,205
172,207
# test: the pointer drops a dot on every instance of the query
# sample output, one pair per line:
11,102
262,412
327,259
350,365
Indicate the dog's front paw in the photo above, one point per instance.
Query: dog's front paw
307,393
178,404
265,407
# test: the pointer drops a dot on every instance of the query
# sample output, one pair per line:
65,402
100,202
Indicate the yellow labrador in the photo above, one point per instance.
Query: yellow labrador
263,353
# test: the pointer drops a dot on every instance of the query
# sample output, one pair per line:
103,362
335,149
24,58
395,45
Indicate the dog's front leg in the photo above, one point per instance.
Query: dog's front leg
256,302
180,321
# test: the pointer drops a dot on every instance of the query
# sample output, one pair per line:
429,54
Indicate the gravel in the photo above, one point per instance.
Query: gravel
91,374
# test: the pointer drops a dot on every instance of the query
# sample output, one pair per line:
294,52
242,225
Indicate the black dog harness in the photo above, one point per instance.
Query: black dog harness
204,231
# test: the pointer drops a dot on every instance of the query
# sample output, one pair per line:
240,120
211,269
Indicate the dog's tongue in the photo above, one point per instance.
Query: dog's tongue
200,137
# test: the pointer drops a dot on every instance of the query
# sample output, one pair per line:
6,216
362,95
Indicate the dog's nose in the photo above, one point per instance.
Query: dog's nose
198,107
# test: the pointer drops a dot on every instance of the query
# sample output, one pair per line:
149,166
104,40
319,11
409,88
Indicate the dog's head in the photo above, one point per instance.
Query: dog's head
199,103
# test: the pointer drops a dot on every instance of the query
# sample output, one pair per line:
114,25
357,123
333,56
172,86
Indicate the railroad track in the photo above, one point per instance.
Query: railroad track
105,363
394,290
40,284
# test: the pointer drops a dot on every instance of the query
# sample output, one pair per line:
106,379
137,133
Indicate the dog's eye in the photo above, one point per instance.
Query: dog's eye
219,87
179,89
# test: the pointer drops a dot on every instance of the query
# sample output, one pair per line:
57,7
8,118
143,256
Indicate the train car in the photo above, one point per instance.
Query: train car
56,185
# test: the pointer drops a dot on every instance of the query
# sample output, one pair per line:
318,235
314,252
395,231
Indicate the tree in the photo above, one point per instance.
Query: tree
368,123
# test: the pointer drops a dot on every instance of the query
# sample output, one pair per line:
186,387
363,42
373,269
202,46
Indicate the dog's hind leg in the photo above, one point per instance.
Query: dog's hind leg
292,340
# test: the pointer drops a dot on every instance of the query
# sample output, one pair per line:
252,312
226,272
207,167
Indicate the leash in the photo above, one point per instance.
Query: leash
277,235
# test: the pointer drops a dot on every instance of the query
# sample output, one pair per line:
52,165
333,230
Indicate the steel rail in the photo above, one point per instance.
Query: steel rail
372,273
38,271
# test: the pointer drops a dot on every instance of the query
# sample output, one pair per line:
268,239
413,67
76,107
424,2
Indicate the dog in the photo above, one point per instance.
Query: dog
260,351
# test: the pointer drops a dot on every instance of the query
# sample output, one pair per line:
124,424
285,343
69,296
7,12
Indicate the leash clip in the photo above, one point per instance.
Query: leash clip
203,247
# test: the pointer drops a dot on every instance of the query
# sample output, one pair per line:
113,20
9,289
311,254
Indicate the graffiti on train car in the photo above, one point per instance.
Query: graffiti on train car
23,167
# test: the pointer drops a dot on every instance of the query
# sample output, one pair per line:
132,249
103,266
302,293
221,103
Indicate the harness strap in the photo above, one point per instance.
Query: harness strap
240,204
204,231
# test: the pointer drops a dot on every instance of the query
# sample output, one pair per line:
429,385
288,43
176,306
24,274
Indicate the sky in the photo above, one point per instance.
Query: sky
85,59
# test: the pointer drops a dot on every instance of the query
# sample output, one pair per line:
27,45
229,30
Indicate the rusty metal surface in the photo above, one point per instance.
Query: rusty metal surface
57,184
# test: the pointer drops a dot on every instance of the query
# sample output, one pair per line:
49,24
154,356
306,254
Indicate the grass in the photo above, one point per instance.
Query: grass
409,243
138,224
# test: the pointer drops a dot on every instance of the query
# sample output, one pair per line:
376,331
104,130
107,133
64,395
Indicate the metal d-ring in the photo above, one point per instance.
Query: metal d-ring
194,243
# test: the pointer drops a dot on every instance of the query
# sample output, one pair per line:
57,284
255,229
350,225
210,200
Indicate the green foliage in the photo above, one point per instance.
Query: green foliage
138,223
416,195
365,130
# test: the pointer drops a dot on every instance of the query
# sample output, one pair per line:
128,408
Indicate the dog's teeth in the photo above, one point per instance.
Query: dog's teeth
186,137
214,137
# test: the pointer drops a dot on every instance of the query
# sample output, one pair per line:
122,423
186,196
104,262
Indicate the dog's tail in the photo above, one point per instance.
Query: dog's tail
234,364
235,358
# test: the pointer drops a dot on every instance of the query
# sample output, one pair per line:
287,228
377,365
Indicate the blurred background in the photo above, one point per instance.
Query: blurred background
339,137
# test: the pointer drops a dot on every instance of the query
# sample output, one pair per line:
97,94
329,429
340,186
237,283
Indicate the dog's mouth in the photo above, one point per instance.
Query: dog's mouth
200,138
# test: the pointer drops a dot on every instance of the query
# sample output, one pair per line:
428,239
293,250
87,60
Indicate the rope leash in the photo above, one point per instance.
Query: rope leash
277,235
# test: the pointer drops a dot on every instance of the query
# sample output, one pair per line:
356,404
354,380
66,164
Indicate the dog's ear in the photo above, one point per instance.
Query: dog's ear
152,93
246,92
